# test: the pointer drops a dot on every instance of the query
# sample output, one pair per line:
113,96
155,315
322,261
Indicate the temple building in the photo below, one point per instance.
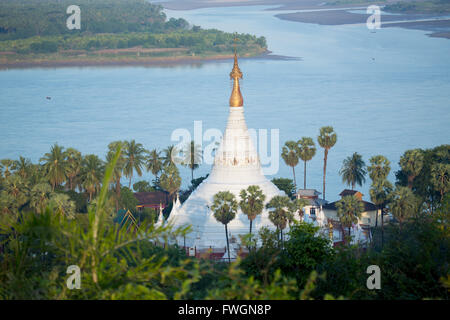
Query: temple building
236,167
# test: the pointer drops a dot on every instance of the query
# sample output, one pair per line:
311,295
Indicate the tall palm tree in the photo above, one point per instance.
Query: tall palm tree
411,163
91,174
290,155
118,168
134,159
403,204
326,139
307,150
353,170
170,156
73,158
224,208
7,166
252,202
55,165
39,196
379,168
23,167
349,209
280,212
440,175
192,157
154,162
170,180
379,195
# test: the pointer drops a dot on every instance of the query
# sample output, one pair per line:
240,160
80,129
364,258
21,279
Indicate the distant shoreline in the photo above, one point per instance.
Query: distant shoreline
166,61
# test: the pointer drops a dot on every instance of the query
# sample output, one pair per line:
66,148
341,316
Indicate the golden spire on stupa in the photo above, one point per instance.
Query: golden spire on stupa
236,99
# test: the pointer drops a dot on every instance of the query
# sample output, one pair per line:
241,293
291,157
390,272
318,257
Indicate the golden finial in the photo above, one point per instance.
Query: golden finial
236,99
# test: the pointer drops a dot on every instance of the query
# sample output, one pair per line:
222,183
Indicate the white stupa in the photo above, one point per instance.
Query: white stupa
236,167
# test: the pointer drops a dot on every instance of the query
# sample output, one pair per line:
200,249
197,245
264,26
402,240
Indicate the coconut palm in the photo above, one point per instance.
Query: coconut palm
23,167
440,174
170,180
6,167
280,213
55,165
307,150
224,208
73,159
411,163
154,162
403,204
91,174
118,168
326,139
353,170
379,168
349,209
39,196
134,154
290,155
252,203
170,156
192,157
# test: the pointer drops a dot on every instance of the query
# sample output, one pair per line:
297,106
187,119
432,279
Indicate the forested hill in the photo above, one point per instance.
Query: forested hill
36,30
27,18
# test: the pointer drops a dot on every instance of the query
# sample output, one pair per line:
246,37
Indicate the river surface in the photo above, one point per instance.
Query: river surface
383,92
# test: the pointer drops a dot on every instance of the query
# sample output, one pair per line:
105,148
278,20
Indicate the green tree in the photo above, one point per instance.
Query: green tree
440,173
143,186
55,165
224,208
411,163
379,168
61,204
349,210
290,155
252,203
73,158
286,185
192,157
326,139
118,168
39,196
353,170
170,156
154,162
307,150
6,167
170,180
134,154
403,204
380,193
23,167
91,174
280,213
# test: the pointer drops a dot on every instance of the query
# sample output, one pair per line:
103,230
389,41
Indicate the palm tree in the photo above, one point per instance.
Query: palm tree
39,196
7,166
62,204
326,139
403,204
118,169
290,155
379,195
23,167
17,188
307,150
353,170
349,209
379,168
134,154
192,157
91,174
252,202
440,174
154,162
280,212
299,204
170,156
224,208
170,180
55,165
73,158
411,163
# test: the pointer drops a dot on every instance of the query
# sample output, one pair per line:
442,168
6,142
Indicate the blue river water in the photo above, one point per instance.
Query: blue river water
383,92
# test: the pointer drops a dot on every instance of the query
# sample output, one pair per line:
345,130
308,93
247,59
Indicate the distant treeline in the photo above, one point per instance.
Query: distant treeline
435,6
39,26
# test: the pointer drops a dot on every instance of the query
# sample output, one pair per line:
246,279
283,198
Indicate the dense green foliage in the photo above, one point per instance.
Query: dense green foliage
39,27
434,6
